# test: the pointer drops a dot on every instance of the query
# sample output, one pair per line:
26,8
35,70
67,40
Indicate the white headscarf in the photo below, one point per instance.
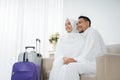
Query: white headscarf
68,44
73,32
73,23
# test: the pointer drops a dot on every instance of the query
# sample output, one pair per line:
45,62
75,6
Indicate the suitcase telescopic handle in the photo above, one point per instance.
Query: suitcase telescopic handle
29,47
38,39
37,45
24,57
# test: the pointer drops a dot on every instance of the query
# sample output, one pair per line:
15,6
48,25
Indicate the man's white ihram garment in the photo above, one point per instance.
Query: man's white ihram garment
84,48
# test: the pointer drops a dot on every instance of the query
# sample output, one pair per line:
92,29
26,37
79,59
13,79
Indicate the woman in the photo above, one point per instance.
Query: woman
67,46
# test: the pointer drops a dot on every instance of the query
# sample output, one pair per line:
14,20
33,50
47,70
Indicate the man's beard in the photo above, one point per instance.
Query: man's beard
81,31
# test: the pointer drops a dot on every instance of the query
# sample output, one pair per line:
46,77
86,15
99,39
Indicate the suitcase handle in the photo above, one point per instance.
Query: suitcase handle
29,47
38,39
37,45
24,57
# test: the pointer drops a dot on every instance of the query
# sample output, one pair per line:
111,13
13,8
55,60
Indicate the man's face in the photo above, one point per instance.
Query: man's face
82,25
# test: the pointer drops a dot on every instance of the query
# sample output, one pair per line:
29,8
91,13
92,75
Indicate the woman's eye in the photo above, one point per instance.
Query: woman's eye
69,23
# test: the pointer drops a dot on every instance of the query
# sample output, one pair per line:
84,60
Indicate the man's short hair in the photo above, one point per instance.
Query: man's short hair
85,18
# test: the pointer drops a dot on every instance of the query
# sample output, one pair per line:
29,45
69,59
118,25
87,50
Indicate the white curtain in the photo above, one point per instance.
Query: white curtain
21,22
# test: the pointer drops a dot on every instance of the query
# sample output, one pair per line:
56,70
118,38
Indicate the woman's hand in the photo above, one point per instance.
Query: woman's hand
68,60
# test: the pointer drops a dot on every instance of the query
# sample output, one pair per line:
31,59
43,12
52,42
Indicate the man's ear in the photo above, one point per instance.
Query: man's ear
88,23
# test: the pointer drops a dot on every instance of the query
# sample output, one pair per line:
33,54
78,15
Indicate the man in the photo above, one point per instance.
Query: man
86,62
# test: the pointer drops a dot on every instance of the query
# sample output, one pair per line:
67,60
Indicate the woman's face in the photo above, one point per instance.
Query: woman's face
68,26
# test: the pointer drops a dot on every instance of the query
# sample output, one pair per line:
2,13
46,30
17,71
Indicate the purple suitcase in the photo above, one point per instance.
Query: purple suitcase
25,70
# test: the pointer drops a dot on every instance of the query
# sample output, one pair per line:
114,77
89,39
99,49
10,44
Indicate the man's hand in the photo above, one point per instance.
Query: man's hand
68,60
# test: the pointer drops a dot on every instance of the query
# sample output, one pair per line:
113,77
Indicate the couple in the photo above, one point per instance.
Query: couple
77,50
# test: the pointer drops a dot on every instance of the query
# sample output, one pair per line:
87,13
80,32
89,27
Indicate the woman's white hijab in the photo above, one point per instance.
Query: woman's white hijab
73,24
71,34
68,44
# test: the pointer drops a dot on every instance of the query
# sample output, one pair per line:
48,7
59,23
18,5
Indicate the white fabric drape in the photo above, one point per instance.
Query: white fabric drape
21,22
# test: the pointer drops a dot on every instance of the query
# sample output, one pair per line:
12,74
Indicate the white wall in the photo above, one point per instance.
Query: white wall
104,14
